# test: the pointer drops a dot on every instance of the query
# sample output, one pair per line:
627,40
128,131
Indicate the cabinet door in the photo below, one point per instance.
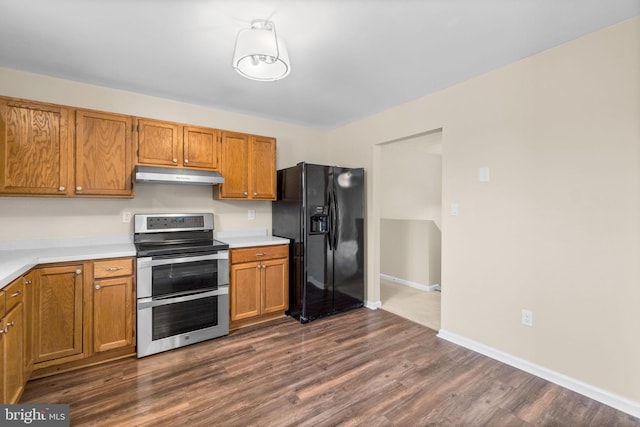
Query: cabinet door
262,168
104,164
159,143
112,313
200,148
29,288
245,290
35,148
13,357
275,289
58,313
235,166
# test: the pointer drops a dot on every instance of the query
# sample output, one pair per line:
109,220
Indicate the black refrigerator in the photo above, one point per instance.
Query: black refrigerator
321,209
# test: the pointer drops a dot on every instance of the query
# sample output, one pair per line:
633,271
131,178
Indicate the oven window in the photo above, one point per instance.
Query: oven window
190,276
181,317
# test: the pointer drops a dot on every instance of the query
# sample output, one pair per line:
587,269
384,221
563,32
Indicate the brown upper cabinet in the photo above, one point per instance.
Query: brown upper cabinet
248,166
104,162
53,150
35,148
174,145
37,151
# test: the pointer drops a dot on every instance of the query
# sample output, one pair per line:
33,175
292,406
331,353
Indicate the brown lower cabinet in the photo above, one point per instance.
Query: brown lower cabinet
259,284
59,317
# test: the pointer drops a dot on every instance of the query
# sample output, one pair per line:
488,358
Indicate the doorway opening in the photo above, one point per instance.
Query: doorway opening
410,188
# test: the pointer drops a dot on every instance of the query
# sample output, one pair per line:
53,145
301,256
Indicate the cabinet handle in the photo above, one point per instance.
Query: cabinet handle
175,160
8,325
260,254
3,331
61,188
78,271
97,287
78,188
16,294
186,161
113,268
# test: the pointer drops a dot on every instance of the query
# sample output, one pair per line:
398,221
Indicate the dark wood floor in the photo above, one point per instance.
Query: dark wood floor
360,368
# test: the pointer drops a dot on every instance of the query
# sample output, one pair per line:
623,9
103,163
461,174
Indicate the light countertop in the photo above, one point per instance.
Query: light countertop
248,238
14,263
17,258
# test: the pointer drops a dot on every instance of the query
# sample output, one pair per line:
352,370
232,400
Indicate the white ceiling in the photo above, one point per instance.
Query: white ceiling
349,58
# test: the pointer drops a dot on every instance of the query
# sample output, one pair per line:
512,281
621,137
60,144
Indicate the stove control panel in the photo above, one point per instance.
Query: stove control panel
163,222
173,222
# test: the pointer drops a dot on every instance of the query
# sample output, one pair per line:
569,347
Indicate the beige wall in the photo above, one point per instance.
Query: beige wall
411,184
410,251
557,230
47,218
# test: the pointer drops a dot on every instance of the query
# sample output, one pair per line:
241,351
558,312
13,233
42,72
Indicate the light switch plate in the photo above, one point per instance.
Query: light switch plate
455,209
251,214
483,174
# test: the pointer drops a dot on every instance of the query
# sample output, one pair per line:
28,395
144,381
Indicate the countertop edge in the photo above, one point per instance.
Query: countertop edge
20,262
250,241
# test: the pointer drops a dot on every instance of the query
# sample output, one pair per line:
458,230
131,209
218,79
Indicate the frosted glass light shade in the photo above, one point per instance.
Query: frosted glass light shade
260,54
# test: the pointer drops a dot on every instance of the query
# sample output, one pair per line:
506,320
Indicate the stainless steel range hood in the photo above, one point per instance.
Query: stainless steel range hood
177,176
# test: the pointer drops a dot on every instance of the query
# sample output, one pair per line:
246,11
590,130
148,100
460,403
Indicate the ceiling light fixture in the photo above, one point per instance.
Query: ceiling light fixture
260,54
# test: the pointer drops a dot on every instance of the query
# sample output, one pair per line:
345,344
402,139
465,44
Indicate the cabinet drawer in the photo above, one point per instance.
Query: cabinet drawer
14,292
112,268
259,253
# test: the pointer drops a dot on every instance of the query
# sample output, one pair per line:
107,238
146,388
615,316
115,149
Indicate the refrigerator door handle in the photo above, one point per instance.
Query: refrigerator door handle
334,220
330,231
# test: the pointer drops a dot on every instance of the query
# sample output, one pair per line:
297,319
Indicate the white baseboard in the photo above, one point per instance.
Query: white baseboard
618,402
422,287
373,305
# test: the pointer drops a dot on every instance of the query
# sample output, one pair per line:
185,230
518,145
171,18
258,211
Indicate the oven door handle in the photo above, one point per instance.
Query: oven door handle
150,302
150,262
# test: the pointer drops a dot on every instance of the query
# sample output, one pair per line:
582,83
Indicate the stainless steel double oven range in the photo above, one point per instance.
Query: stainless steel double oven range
182,281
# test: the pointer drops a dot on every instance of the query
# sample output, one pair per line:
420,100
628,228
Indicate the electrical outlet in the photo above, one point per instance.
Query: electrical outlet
527,317
126,216
251,214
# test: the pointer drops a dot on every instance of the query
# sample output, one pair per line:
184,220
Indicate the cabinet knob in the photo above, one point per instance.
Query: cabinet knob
78,188
3,331
97,287
28,282
61,188
78,271
8,325
175,160
186,161
245,193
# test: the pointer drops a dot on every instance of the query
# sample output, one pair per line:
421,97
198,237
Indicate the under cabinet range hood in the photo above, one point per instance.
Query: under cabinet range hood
177,176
